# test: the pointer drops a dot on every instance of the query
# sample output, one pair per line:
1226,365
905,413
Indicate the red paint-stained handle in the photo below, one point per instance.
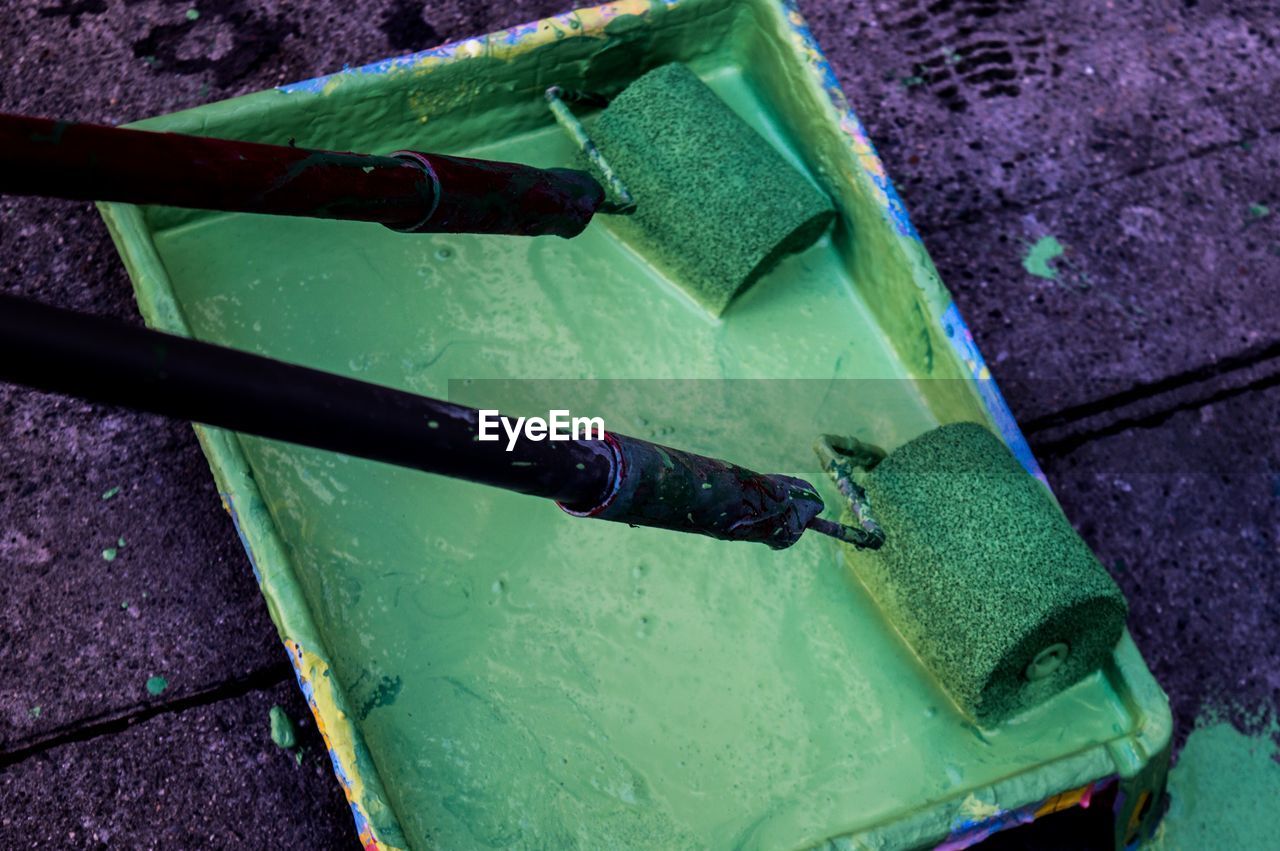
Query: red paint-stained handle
409,191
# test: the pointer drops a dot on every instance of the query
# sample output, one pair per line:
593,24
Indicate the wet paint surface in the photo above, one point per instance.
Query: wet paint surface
522,677
604,683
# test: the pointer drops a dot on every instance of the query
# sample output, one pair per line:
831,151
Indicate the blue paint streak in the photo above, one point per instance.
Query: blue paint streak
962,341
968,832
316,85
894,206
308,691
511,36
244,542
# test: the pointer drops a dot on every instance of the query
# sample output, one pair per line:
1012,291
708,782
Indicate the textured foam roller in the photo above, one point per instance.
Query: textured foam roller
984,576
717,206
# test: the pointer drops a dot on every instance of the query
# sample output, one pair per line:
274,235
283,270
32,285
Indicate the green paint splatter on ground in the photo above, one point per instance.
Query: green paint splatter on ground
283,733
125,605
109,554
156,685
1036,260
120,542
1223,789
193,14
35,712
108,494
1259,211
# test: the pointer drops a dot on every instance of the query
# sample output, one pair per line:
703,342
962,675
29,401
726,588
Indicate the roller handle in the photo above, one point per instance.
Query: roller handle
618,478
406,191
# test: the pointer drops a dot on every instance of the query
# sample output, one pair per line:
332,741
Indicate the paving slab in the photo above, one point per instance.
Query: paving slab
1139,279
81,635
206,777
976,105
86,620
1187,517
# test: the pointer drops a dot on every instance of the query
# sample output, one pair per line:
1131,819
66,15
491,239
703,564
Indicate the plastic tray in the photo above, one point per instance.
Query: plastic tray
490,672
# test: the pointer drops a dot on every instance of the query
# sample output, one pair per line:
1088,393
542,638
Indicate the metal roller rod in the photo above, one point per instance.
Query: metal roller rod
106,361
618,478
406,191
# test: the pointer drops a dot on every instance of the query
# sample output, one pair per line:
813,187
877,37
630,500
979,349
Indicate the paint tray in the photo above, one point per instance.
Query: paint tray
490,672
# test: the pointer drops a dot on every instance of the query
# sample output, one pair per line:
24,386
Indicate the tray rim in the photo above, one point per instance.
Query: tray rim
1140,760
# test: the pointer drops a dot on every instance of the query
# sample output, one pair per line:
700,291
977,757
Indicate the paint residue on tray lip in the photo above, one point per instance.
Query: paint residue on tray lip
513,41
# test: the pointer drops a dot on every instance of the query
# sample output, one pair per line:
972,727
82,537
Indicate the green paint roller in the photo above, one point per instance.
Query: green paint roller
711,203
980,571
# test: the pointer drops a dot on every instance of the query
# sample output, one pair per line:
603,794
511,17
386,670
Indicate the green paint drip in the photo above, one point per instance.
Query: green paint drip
984,575
108,494
156,686
1223,791
716,206
109,554
193,14
283,733
1037,258
35,712
1259,211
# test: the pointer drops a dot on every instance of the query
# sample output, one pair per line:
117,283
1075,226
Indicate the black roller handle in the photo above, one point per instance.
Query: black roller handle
406,190
618,478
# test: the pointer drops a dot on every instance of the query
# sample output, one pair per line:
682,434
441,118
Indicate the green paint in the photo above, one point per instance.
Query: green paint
985,576
1223,791
108,494
35,712
566,681
1036,260
384,694
715,205
1259,211
193,14
110,553
156,685
125,605
283,733
912,81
